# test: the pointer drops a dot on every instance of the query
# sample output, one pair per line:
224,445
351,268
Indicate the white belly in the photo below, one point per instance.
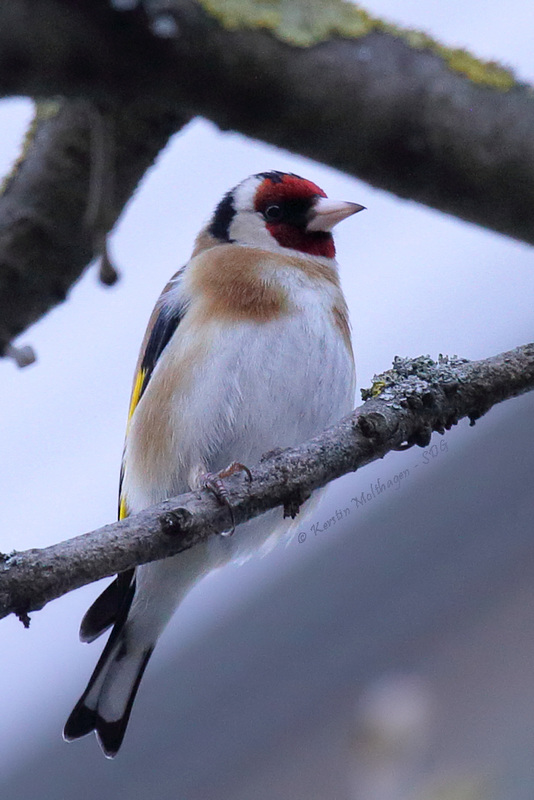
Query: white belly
253,387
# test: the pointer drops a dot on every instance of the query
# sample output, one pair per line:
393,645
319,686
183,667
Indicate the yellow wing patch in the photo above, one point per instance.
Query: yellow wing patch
137,391
123,508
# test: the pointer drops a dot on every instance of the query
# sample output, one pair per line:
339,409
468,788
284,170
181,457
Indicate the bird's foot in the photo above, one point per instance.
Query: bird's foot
214,482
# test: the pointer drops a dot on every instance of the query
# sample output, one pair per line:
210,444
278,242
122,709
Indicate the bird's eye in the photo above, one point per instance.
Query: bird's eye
273,213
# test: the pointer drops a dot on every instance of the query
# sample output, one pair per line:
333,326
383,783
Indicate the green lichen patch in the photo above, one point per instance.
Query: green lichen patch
488,73
303,23
377,387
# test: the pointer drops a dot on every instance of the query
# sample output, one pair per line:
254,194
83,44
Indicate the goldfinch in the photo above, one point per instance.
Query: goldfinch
247,349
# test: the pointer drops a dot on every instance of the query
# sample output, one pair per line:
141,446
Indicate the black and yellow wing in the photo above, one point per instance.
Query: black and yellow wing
162,325
166,317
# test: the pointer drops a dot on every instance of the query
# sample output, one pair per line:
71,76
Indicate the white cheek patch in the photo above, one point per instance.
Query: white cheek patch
245,193
248,227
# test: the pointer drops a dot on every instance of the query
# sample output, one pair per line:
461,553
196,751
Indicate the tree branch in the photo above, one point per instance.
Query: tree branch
81,163
327,81
389,105
404,406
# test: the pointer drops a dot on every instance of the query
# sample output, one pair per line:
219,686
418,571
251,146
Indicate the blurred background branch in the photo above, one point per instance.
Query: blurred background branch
55,210
327,81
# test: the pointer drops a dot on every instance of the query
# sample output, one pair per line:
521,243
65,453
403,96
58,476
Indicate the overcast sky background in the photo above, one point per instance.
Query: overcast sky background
416,281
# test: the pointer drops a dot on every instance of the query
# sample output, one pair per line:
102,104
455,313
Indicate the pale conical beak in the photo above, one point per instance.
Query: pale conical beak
327,213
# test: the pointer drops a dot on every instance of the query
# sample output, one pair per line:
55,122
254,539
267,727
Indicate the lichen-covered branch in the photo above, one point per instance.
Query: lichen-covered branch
81,163
319,78
405,405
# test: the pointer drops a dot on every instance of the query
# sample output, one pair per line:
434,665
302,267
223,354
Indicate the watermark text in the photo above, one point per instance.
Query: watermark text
374,490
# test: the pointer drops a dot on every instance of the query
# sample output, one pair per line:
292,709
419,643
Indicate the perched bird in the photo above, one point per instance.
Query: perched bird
248,349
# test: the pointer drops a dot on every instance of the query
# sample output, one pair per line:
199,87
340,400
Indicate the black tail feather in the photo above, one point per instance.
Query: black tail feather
111,734
107,607
83,720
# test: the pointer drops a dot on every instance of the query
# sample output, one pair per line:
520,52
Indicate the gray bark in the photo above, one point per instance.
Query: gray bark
374,106
412,400
81,164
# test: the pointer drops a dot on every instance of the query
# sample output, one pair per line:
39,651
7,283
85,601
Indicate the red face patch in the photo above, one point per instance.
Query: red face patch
286,187
285,201
315,244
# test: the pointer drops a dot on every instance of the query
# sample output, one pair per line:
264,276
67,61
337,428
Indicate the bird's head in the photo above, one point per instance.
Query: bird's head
279,210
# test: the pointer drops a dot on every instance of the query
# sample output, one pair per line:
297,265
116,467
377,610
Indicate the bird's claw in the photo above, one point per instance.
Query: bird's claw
214,482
